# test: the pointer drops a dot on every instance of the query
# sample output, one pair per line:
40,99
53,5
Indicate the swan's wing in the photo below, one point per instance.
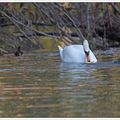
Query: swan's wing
74,54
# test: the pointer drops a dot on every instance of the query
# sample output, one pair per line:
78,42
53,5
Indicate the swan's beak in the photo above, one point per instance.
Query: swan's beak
87,56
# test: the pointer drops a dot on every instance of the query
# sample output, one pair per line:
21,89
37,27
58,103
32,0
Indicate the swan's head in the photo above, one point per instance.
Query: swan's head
86,50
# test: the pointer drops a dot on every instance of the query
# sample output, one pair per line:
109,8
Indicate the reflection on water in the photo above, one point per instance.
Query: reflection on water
39,85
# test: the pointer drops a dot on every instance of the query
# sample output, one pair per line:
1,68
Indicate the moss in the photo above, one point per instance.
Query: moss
48,43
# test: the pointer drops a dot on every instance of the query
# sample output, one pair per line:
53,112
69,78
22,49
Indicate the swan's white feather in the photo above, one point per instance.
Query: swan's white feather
76,53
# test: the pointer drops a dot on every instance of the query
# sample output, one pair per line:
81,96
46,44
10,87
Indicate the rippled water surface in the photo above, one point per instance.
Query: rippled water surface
38,85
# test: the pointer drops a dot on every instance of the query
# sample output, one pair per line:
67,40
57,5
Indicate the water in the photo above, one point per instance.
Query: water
38,85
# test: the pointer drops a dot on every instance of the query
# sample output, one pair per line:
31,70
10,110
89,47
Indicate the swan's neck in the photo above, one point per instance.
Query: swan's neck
86,46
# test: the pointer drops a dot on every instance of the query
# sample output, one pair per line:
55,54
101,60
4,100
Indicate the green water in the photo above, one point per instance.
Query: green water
37,84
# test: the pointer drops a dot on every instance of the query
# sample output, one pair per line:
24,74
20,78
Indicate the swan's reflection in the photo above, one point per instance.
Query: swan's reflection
76,71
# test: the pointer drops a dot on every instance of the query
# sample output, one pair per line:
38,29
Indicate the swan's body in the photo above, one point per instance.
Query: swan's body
76,53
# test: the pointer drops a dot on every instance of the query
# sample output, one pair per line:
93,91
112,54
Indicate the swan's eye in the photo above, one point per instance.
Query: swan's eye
87,53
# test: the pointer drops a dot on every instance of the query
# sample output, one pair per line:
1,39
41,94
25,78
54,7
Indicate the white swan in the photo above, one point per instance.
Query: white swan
77,53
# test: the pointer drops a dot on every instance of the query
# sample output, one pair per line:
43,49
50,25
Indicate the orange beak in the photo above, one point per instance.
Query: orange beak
88,58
